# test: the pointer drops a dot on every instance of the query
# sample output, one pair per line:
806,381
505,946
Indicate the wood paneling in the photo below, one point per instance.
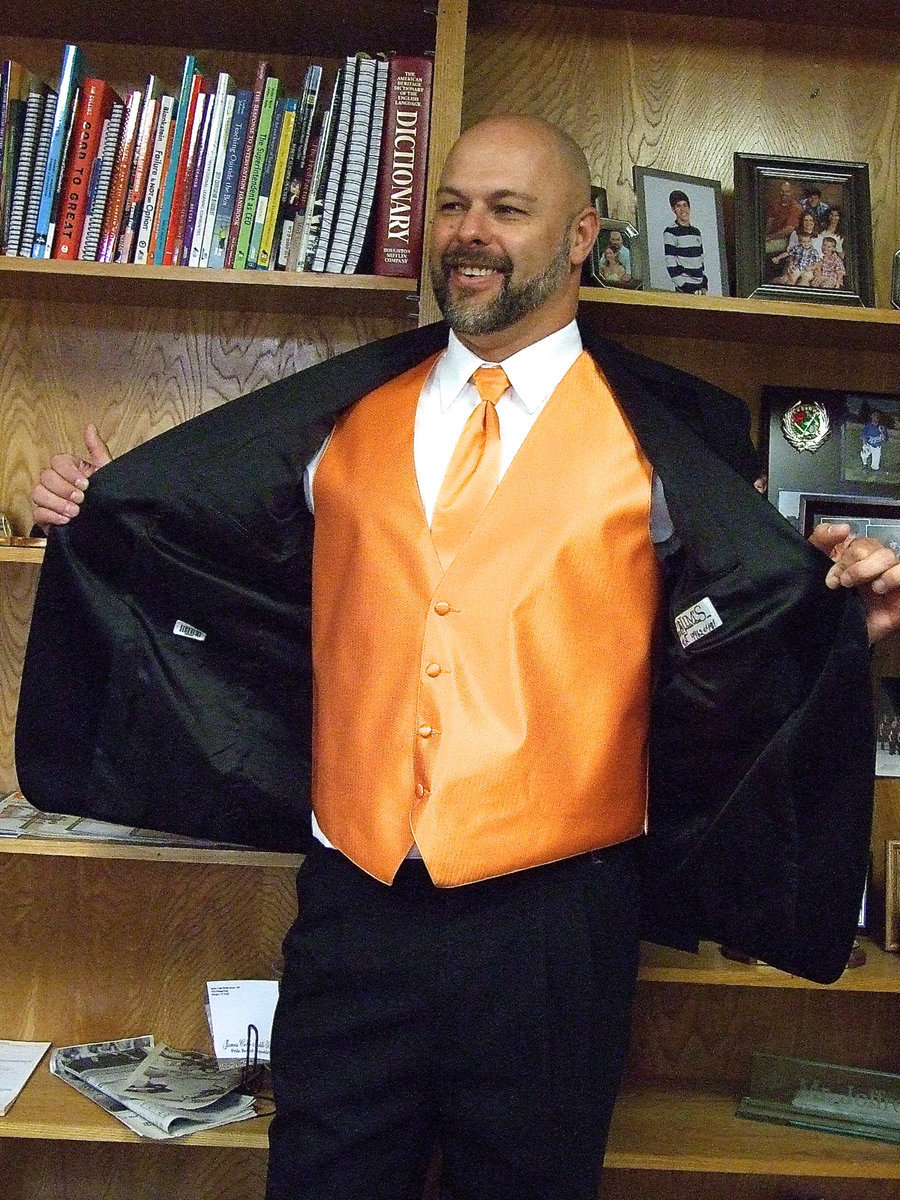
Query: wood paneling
682,94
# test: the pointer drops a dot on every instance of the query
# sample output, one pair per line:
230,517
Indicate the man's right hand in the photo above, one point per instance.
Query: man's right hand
59,492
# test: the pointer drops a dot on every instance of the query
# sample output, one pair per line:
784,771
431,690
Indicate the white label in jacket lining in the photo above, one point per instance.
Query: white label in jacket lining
189,631
696,622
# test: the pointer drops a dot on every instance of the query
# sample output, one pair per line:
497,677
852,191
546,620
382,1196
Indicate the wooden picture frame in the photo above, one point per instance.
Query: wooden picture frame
683,248
892,895
803,230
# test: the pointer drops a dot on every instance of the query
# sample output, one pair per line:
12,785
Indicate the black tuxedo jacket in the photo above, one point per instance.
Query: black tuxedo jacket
168,682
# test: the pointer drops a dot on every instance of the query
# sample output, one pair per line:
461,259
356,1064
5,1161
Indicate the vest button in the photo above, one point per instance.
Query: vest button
425,731
420,790
433,670
442,608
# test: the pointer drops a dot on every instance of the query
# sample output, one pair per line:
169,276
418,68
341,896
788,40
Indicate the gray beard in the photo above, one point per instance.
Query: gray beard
513,302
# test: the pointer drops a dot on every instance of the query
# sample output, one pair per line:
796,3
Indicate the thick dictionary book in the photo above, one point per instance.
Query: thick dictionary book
400,202
95,104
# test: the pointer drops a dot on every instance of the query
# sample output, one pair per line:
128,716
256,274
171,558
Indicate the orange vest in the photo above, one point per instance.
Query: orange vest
495,713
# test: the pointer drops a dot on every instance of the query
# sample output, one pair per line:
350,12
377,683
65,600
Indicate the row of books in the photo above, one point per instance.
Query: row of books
219,175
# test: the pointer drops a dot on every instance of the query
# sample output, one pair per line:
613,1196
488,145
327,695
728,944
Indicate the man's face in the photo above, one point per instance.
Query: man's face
682,211
503,254
615,240
785,192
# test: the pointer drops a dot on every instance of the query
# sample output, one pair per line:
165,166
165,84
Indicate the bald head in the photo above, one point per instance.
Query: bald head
513,223
548,142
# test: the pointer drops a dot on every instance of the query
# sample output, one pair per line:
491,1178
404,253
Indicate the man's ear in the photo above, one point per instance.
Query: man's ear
585,228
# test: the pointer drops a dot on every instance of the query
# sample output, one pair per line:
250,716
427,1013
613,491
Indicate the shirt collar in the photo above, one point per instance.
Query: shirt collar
533,372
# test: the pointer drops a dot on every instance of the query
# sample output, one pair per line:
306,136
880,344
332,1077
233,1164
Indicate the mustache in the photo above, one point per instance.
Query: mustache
475,258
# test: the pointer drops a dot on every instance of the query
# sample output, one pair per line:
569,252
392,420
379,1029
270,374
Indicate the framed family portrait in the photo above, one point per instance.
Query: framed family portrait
616,258
822,443
682,232
803,229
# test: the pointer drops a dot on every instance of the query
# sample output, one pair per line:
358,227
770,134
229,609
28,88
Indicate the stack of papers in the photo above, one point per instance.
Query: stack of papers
156,1091
17,1061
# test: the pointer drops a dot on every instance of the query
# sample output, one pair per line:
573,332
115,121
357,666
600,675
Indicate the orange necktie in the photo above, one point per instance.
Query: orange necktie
474,469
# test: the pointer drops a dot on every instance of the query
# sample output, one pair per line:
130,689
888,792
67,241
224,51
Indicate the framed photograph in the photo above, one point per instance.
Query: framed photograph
892,896
829,444
803,230
682,232
616,259
887,727
895,280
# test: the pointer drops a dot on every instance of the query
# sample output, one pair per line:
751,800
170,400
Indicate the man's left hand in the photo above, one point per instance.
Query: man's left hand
870,567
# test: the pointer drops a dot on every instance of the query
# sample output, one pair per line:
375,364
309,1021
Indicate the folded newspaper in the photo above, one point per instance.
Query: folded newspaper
156,1091
18,818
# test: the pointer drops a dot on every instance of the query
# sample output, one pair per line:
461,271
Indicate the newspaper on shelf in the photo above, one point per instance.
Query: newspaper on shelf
18,818
157,1092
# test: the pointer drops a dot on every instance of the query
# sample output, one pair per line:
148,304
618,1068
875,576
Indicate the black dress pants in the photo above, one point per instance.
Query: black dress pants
490,1019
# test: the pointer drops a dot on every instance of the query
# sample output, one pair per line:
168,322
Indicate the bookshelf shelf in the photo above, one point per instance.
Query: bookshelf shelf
656,1126
124,852
42,280
728,318
879,973
21,554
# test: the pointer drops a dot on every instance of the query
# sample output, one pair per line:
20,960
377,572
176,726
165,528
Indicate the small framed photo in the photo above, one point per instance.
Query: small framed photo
892,896
887,727
825,443
895,280
616,259
682,232
803,230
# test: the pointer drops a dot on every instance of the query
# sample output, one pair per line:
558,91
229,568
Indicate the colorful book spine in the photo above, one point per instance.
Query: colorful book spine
118,183
400,203
98,193
155,176
243,180
215,189
69,83
34,108
293,184
94,107
183,111
224,88
265,255
183,153
237,140
16,85
195,173
137,182
35,188
312,216
273,145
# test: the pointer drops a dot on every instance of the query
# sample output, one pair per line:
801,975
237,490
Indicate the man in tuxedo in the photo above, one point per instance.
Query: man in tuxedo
462,969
